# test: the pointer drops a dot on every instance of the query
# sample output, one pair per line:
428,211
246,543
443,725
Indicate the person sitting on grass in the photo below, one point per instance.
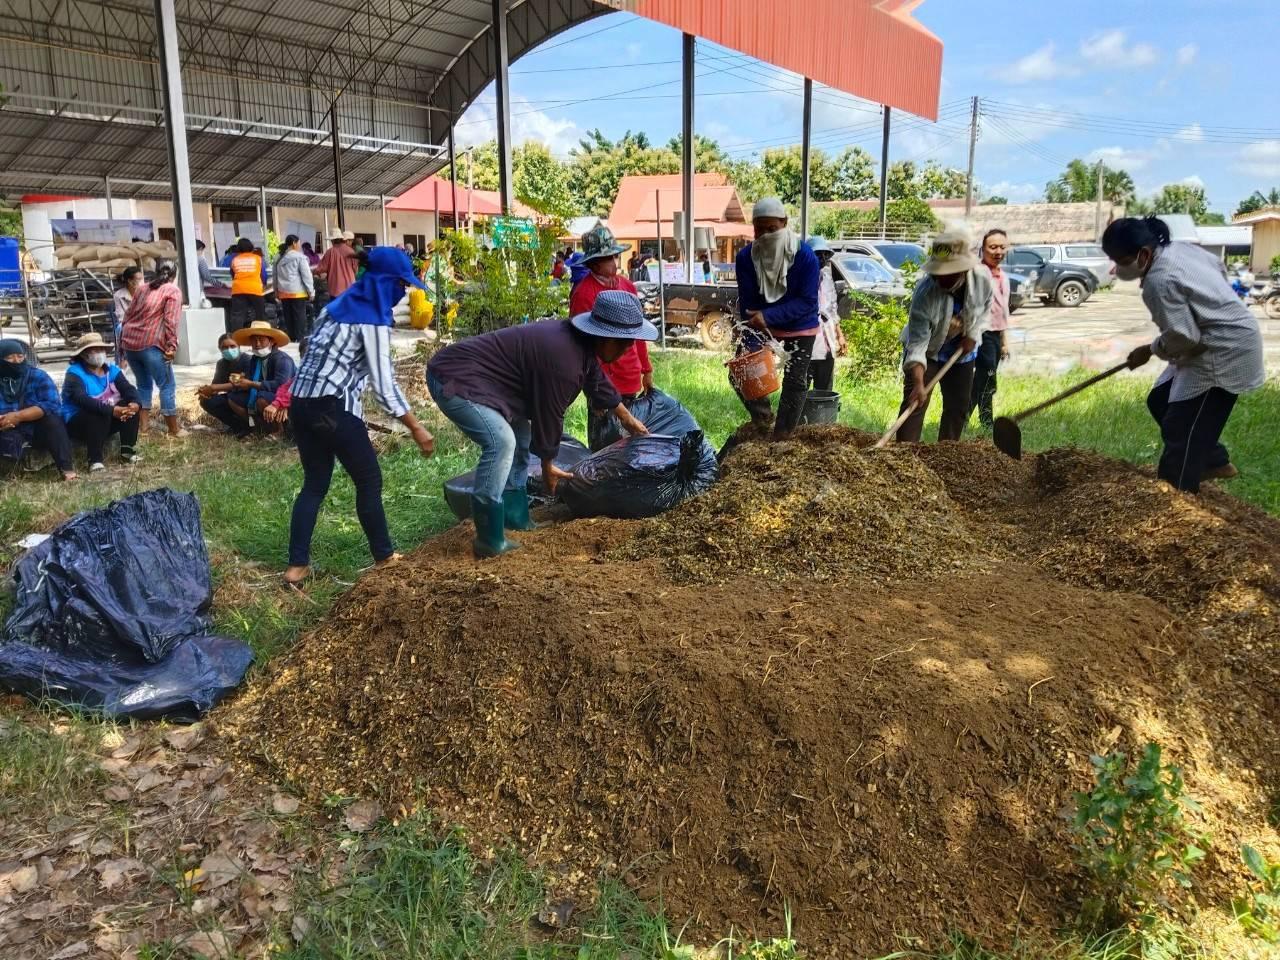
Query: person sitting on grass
252,387
30,410
231,367
98,400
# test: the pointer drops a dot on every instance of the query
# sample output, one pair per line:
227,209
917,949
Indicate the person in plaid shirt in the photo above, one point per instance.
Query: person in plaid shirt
150,339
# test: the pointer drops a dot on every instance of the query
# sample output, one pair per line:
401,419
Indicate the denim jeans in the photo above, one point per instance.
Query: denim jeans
151,368
324,431
504,446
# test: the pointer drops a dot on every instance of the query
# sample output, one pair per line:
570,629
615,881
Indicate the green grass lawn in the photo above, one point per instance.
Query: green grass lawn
426,879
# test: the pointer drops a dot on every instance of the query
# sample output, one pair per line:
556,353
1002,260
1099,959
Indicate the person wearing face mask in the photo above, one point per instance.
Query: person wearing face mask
150,341
1211,341
231,368
349,350
830,341
30,410
778,279
264,369
508,392
130,281
98,400
950,311
993,347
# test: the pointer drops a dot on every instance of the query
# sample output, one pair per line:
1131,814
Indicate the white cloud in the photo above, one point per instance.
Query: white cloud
1111,50
1195,180
1261,159
1191,134
1014,192
1186,55
479,125
1035,67
1123,158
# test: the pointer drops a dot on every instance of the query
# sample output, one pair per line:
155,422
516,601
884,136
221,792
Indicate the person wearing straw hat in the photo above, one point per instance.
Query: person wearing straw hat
98,400
778,278
349,350
830,342
508,391
337,268
950,310
240,402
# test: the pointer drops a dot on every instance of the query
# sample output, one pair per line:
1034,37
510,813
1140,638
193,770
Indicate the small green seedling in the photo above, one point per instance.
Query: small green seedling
1259,913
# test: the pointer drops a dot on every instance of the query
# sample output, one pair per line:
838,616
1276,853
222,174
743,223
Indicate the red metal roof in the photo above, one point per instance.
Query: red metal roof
715,204
422,197
871,48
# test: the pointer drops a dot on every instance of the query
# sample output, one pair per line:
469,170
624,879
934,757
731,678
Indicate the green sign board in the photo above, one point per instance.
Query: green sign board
514,232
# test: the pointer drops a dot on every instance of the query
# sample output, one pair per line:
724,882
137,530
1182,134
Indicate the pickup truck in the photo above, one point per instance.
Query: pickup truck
706,311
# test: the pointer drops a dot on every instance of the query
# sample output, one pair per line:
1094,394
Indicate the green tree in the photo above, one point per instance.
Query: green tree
598,165
836,223
911,214
10,221
708,157
541,181
1257,200
903,180
1181,198
751,181
1213,219
481,163
1078,183
855,175
942,183
996,201
783,165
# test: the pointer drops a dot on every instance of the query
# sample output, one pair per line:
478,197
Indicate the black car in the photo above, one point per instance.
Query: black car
1065,284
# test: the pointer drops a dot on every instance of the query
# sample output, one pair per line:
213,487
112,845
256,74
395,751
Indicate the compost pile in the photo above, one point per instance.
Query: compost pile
872,715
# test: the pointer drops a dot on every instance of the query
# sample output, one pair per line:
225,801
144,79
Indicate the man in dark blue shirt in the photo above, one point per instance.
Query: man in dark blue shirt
778,277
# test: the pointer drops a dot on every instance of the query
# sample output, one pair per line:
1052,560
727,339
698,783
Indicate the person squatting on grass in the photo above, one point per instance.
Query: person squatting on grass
30,410
349,349
508,392
1211,340
950,310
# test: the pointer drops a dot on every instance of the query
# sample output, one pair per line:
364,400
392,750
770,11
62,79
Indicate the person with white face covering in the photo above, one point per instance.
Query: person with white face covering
778,278
1210,339
264,369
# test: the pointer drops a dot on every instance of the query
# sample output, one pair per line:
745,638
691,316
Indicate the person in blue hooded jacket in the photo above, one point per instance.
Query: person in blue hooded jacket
30,410
778,276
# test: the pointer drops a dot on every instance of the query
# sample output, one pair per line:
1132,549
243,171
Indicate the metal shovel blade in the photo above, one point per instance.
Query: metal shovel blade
1007,436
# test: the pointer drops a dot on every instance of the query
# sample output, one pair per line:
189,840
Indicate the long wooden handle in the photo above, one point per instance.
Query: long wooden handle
911,407
1083,385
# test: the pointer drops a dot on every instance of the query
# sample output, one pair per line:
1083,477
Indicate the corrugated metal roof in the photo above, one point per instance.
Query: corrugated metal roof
1229,236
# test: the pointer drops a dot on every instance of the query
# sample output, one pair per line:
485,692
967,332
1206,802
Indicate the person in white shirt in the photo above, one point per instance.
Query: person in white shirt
830,342
1211,340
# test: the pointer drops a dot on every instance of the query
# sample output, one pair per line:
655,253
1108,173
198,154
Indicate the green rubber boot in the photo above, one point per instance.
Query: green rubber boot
490,540
515,509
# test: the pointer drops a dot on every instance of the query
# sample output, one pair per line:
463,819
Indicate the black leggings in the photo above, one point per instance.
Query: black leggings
1191,430
324,431
49,433
795,388
956,387
94,428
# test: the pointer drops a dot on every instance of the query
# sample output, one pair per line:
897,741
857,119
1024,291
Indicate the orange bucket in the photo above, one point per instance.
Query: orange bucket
754,374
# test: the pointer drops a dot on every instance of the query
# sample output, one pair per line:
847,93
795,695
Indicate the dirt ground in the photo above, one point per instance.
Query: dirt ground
859,685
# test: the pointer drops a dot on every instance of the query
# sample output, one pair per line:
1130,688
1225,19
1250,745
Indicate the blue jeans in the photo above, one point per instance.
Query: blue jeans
150,367
504,446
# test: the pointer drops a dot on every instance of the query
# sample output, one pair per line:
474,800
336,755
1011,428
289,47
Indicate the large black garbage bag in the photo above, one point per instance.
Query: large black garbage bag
457,492
658,411
112,612
641,476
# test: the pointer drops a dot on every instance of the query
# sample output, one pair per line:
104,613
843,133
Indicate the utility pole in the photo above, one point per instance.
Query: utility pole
470,187
1097,206
884,174
973,148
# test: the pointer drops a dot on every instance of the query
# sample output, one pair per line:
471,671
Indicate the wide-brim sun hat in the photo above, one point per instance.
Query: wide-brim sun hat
348,236
335,235
88,342
616,314
950,253
600,242
260,328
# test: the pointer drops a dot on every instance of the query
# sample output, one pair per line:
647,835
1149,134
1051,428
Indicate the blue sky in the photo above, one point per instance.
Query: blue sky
1170,90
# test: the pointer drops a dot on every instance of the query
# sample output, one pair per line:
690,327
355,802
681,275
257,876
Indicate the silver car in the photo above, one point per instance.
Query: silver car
1087,255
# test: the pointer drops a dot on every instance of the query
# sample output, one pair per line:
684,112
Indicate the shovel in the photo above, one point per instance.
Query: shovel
1008,436
911,408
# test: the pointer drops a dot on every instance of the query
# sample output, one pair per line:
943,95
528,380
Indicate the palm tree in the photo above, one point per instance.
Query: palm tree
1078,183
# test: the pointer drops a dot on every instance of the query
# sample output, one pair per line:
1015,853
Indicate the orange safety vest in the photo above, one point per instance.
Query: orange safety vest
246,274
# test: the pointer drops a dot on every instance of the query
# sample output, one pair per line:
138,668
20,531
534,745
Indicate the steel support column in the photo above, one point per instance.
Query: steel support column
806,134
386,229
106,189
337,165
502,90
453,177
266,216
687,160
175,127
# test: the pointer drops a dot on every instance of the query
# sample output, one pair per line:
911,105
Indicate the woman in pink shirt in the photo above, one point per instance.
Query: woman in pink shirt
995,244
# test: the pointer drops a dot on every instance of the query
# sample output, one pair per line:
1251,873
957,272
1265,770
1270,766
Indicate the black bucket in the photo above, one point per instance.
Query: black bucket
821,406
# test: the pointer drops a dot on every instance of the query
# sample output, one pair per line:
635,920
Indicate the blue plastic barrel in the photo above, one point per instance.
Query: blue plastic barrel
10,267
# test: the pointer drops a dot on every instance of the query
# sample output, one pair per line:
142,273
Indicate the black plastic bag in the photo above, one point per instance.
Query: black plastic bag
660,413
641,476
112,612
457,492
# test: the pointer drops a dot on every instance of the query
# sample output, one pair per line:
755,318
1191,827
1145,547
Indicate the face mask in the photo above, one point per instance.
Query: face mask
95,358
232,353
262,352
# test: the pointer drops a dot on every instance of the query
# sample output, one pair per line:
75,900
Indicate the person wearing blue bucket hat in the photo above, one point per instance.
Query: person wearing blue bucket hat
349,349
508,392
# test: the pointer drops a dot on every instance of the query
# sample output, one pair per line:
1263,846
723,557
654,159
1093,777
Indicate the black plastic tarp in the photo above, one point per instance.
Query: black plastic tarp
640,476
457,492
112,613
659,412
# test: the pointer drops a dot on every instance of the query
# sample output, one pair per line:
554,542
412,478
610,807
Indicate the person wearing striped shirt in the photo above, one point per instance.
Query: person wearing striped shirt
349,350
1211,341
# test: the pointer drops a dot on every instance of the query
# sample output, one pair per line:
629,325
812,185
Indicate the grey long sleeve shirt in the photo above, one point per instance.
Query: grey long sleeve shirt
931,311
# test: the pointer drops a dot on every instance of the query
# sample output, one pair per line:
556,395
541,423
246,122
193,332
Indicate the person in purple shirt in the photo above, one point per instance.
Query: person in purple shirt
508,391
778,276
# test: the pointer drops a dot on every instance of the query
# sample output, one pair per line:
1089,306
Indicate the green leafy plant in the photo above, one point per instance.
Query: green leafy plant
775,948
511,285
1259,912
1133,836
1275,265
874,329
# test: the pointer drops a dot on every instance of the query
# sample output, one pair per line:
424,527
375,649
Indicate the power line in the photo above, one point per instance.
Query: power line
1140,129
